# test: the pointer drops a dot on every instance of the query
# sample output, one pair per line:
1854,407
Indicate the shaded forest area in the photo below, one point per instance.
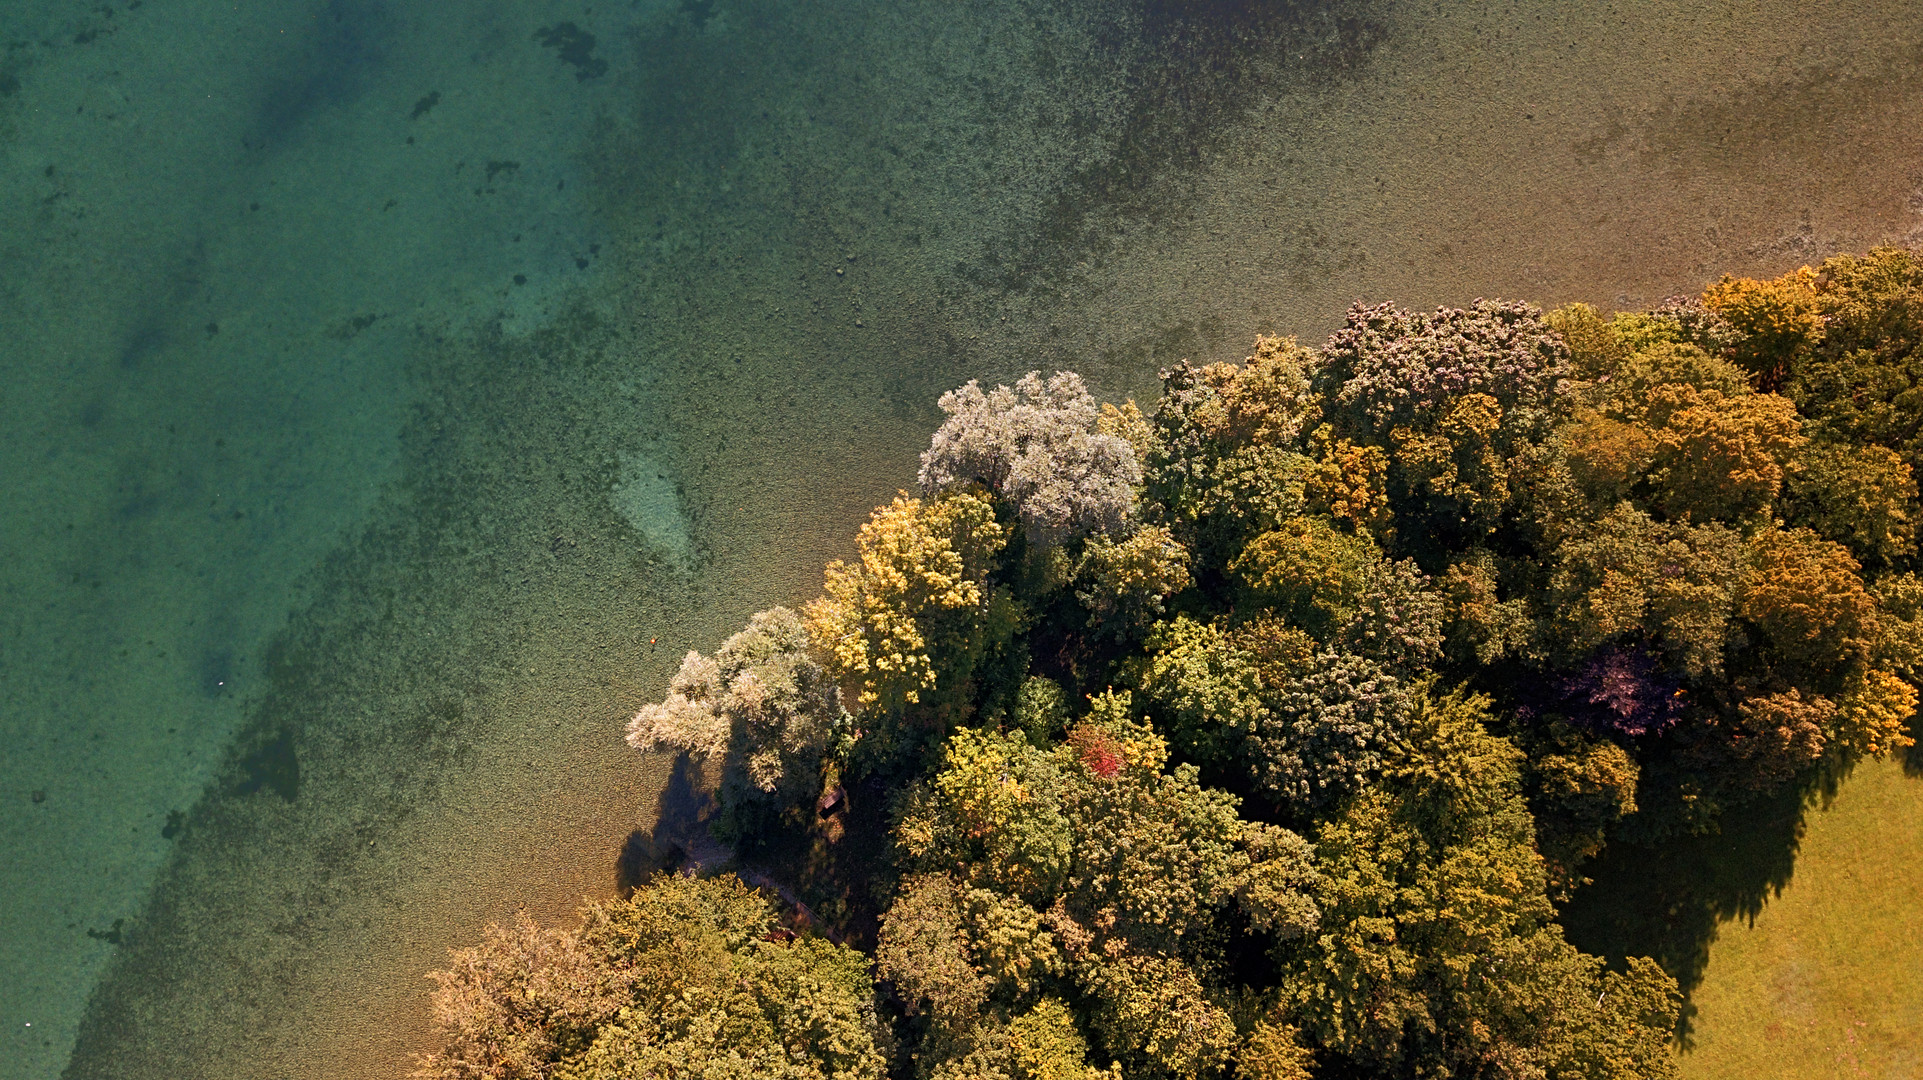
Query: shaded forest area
1262,733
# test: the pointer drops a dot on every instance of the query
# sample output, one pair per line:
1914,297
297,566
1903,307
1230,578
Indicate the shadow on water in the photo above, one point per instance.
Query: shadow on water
1667,901
639,860
684,812
347,46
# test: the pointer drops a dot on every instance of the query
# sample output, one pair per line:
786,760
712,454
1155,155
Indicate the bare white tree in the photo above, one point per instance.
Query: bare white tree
1037,445
761,699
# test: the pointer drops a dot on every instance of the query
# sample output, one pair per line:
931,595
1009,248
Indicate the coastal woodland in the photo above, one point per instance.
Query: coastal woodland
1260,731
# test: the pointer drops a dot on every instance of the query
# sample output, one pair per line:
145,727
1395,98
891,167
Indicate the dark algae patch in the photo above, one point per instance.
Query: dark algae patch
698,12
273,765
425,105
1195,73
111,935
338,60
216,666
346,330
574,47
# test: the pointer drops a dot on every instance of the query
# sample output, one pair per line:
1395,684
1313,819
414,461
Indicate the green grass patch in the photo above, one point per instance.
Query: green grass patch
1827,978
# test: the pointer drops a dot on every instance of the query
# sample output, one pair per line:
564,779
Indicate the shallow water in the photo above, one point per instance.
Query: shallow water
381,377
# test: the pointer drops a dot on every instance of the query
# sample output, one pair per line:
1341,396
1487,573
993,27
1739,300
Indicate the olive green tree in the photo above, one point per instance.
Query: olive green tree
682,978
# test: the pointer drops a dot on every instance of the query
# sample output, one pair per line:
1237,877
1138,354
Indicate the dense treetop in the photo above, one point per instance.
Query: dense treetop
1258,734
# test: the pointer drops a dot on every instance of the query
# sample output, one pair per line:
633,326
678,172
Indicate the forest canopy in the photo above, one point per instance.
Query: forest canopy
1259,734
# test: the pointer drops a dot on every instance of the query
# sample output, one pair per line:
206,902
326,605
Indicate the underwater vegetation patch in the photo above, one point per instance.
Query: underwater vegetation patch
574,47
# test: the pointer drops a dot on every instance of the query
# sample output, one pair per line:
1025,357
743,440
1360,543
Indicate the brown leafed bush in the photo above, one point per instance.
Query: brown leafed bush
1778,734
516,1004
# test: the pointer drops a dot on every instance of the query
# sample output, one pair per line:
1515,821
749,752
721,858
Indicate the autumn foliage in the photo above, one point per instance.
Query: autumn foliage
1258,732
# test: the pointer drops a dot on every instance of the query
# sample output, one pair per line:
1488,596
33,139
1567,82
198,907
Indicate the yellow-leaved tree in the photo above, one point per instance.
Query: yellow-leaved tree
1776,318
915,602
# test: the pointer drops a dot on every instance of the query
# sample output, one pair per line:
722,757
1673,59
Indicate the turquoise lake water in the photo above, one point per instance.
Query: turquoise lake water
379,378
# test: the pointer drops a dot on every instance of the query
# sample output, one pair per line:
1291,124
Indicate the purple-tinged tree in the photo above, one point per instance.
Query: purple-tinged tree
1389,368
1620,690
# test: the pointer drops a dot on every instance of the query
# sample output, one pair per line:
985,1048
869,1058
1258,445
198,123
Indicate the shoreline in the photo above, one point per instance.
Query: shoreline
686,317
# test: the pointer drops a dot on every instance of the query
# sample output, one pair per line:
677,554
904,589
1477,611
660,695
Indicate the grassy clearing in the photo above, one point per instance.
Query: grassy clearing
1827,979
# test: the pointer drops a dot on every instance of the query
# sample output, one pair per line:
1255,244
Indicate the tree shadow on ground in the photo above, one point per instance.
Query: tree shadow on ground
841,866
834,866
1668,900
